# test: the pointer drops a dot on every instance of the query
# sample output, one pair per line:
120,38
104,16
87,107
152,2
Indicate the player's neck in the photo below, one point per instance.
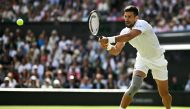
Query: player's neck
133,25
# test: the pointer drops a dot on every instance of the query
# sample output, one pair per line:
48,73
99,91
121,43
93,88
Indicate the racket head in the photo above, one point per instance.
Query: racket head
94,22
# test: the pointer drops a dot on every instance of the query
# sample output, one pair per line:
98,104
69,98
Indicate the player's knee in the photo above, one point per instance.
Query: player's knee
135,86
164,93
132,91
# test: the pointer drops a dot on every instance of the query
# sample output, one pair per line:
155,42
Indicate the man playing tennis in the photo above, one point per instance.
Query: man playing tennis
150,55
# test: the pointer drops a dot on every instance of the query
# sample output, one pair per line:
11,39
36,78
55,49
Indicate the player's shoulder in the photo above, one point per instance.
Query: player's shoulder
142,22
125,30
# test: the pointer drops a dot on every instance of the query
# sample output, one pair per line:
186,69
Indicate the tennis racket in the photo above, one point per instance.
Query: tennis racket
94,23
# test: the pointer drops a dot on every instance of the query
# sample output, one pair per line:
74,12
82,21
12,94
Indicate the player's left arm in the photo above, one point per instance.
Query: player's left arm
115,50
124,37
127,37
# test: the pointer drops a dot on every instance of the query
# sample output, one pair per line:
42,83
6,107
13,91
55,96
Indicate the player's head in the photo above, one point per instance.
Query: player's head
130,15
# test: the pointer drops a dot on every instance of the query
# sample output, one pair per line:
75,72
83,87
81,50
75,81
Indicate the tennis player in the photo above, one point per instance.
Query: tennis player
150,55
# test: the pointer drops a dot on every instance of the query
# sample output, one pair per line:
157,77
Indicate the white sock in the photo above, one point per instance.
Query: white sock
121,108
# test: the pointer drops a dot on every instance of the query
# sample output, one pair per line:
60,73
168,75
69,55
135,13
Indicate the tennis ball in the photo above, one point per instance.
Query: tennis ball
19,22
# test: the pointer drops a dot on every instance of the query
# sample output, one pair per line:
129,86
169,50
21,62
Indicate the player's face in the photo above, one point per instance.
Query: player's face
130,19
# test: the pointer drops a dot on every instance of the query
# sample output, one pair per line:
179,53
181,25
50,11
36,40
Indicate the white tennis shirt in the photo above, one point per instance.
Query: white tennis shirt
146,43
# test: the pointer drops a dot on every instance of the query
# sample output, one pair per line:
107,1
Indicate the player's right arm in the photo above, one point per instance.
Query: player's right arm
115,50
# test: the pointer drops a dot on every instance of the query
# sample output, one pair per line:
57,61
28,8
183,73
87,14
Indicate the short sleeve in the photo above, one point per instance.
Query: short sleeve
141,25
124,31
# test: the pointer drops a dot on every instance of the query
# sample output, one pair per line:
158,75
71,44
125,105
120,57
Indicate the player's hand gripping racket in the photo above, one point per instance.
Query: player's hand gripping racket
94,23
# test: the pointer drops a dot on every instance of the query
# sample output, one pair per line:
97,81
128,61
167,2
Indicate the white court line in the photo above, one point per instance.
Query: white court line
175,34
67,90
176,46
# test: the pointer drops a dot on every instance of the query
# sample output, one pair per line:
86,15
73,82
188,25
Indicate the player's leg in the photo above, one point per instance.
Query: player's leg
160,74
140,72
137,80
164,93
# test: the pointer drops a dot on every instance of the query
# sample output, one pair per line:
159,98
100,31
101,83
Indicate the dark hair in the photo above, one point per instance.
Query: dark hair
133,9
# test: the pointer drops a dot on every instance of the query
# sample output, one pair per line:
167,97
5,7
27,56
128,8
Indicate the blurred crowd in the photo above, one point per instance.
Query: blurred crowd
58,61
164,15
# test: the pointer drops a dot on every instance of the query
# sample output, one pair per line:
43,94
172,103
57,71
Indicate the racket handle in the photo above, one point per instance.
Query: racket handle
100,37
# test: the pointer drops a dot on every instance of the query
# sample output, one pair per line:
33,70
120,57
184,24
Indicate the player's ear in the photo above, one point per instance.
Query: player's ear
136,17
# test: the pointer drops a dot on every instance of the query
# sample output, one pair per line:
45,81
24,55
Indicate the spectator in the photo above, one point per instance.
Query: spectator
74,70
2,74
72,82
85,83
61,76
38,70
12,81
123,81
22,83
98,84
47,83
56,84
111,83
6,83
187,85
145,85
33,82
53,40
175,85
103,6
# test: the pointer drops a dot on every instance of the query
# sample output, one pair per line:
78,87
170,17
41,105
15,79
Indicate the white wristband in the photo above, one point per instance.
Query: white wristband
111,39
109,47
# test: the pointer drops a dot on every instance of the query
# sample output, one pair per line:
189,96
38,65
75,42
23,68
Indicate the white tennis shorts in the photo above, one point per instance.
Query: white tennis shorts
158,66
